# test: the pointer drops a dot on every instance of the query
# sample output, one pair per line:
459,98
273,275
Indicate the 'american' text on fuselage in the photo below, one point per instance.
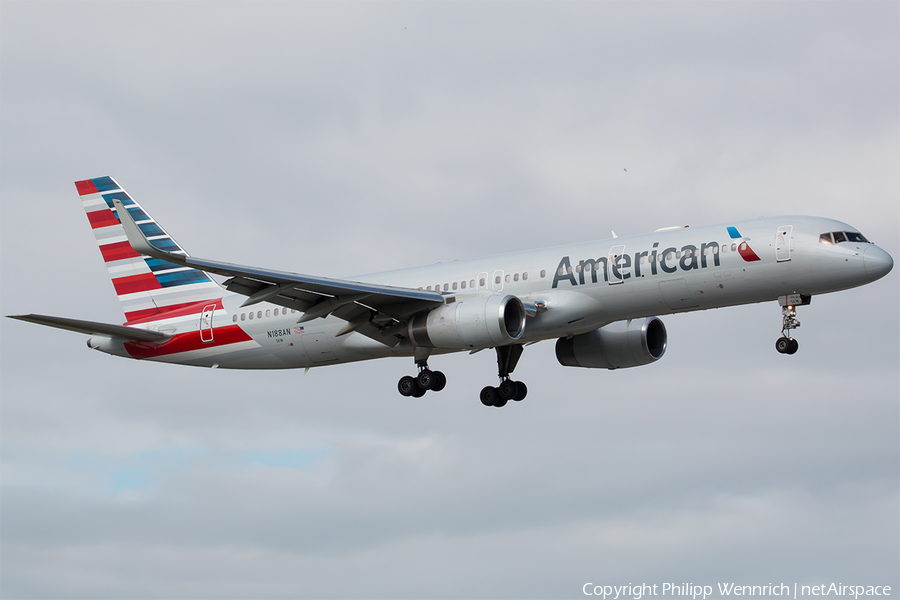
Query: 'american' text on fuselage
620,264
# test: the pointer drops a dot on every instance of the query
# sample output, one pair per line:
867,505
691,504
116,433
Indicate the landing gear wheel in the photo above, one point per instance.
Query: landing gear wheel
426,379
793,346
521,391
440,380
407,385
507,390
507,358
419,392
489,396
783,344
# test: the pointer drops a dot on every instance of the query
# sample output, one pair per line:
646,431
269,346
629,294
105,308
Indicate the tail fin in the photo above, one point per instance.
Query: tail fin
147,287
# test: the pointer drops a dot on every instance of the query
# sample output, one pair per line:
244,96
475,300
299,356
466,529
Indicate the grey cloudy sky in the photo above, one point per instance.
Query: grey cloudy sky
343,138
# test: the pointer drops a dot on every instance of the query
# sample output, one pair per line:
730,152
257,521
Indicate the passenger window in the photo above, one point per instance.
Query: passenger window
446,287
463,285
651,258
481,282
293,311
472,283
578,268
259,315
734,247
251,316
507,278
543,273
839,237
497,279
234,318
525,276
428,288
284,311
516,277
454,286
267,312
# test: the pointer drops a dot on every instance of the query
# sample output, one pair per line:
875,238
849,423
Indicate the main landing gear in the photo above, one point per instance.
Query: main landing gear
507,358
787,344
426,380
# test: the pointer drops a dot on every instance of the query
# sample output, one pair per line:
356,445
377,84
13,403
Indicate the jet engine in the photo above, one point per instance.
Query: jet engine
615,346
473,323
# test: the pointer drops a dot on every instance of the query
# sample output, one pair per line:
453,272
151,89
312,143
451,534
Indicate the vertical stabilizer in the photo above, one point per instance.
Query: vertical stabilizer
147,287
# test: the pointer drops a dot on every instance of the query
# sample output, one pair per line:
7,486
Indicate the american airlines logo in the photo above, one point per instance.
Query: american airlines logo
620,266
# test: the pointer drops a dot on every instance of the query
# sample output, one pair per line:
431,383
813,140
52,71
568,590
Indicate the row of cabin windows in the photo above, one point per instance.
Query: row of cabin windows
259,314
482,282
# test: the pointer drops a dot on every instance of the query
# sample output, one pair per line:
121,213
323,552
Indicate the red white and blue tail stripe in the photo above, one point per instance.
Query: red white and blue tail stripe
148,288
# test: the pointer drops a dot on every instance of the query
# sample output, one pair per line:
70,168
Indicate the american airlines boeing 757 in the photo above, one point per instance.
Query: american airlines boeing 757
600,300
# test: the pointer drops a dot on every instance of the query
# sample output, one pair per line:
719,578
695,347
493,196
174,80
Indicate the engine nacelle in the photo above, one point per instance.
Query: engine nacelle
481,322
615,346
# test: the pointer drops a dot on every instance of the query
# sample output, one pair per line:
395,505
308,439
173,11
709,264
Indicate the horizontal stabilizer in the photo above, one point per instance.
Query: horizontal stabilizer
92,328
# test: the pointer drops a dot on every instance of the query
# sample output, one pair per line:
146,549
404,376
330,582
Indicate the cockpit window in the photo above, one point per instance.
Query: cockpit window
836,237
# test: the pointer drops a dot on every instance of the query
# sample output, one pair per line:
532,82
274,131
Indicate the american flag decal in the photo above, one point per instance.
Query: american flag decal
298,330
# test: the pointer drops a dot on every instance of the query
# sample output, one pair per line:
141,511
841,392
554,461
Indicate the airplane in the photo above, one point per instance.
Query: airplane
599,300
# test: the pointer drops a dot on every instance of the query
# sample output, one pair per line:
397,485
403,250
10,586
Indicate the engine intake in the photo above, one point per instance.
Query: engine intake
615,346
481,322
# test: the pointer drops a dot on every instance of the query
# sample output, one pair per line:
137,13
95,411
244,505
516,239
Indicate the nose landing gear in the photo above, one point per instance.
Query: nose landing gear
787,344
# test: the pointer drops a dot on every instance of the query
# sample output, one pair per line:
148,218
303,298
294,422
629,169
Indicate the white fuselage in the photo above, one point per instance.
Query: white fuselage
577,288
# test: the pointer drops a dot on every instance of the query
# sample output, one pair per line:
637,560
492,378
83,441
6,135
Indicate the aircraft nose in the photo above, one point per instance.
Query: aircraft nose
878,262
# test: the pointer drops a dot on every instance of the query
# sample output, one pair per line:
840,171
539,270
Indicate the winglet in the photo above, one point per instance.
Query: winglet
138,240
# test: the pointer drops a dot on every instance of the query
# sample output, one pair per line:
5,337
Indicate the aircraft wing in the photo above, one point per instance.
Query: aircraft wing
378,311
93,328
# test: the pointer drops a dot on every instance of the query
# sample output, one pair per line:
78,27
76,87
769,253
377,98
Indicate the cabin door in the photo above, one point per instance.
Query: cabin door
783,243
206,323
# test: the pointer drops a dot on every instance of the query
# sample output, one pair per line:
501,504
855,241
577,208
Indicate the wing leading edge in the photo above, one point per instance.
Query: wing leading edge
377,311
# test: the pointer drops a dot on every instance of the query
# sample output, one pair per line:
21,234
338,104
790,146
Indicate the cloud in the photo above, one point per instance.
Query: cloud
343,139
